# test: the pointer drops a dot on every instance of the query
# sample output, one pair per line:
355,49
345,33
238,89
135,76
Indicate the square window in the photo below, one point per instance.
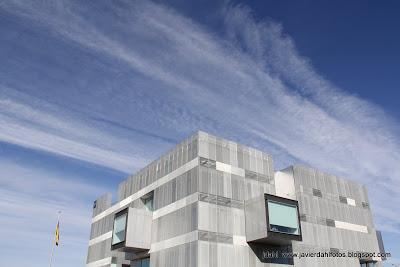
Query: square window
343,199
317,192
330,222
303,217
283,218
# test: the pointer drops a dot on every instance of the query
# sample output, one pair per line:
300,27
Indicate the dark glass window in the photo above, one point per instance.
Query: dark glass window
343,199
209,163
317,192
142,262
146,262
330,222
365,205
368,264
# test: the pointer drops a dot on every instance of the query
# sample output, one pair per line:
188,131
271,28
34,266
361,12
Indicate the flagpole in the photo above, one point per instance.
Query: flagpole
54,241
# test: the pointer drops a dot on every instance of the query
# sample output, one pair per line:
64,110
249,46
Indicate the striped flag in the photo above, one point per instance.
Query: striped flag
57,233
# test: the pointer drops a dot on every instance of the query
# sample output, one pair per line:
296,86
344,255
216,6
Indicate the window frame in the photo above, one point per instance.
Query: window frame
268,202
139,262
142,259
146,198
122,243
284,201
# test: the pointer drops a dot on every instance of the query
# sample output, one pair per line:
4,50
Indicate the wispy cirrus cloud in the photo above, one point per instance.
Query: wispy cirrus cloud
23,123
249,83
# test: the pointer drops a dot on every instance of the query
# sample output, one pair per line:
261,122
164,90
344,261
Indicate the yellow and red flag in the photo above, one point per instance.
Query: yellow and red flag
57,233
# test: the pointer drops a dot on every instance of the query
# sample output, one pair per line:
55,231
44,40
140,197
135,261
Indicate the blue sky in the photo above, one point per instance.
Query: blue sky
91,91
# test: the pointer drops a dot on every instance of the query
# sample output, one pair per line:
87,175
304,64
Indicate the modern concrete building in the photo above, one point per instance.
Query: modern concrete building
210,202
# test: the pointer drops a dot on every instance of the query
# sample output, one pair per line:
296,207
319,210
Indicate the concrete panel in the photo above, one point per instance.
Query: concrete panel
138,230
255,217
284,184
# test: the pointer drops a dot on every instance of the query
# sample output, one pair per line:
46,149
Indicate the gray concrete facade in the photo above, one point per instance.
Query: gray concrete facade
208,208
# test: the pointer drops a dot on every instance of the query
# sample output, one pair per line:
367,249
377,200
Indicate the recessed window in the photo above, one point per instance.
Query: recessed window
317,192
145,262
119,231
365,205
368,264
148,201
334,250
209,163
330,222
283,218
343,199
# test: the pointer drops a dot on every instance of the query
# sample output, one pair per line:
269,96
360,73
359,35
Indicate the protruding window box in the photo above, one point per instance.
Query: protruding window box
132,230
272,220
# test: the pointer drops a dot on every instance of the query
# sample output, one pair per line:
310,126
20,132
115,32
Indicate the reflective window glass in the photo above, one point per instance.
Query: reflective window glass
119,229
283,218
146,262
148,202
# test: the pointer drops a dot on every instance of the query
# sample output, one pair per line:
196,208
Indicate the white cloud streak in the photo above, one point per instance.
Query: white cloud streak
25,125
250,85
